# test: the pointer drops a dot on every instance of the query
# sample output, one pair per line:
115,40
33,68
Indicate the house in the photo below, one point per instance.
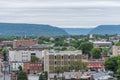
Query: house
14,66
32,67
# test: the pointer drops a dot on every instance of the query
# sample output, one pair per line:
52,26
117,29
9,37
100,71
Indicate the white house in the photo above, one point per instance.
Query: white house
14,65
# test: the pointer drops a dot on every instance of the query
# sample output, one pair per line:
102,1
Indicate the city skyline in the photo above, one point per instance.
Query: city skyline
60,13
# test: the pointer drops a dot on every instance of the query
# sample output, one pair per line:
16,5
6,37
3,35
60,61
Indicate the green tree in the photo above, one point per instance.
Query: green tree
112,64
78,65
46,74
20,68
105,51
66,68
22,76
86,47
34,59
43,76
64,48
96,53
5,51
118,70
58,69
117,44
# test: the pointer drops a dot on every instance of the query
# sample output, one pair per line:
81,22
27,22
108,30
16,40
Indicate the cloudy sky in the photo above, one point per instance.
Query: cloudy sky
61,13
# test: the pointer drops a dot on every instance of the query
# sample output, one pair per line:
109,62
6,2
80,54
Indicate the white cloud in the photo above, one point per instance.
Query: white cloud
62,13
57,4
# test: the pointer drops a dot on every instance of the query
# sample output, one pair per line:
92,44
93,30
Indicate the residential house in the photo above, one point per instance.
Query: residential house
14,65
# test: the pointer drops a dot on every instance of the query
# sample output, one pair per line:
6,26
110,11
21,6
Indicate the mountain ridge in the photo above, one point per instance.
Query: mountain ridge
106,29
18,29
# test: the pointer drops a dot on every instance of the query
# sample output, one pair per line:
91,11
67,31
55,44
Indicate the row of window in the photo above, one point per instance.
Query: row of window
62,57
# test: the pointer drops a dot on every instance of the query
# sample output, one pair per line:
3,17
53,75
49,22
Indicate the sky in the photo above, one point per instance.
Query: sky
61,13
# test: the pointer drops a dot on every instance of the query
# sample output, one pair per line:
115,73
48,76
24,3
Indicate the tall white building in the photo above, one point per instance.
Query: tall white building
24,55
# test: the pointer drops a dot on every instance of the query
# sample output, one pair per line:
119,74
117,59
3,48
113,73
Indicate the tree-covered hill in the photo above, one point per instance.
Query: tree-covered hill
18,29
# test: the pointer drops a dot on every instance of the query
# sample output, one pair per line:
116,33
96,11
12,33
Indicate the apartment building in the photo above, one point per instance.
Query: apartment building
116,50
52,59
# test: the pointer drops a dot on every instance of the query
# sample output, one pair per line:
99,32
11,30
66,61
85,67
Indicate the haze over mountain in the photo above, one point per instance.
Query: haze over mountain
106,29
102,29
78,31
14,29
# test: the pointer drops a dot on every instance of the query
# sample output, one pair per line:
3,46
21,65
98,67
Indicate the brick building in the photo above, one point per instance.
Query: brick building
95,64
32,67
19,43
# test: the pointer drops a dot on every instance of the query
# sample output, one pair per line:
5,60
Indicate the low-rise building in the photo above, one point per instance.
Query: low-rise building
116,50
60,58
14,75
14,65
24,55
32,67
95,64
99,44
19,43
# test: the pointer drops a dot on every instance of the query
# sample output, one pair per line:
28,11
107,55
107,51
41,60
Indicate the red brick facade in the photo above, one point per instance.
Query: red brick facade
95,64
32,67
19,43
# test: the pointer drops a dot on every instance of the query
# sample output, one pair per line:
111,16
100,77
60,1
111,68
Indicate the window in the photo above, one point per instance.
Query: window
68,57
62,57
75,57
55,62
55,57
68,62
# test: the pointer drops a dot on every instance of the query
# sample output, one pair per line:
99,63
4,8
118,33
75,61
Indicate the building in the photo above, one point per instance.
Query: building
1,65
19,43
116,50
99,44
7,43
52,59
24,55
32,67
14,75
95,64
14,65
